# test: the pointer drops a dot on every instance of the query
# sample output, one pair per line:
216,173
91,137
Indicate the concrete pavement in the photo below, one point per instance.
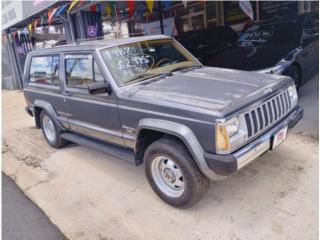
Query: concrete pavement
90,195
309,100
21,218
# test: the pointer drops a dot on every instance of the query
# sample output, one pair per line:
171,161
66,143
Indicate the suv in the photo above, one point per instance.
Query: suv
148,100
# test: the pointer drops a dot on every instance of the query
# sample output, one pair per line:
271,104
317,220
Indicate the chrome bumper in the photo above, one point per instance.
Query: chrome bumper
226,165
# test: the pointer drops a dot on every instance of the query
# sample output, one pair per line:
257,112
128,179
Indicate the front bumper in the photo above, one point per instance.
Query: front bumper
225,165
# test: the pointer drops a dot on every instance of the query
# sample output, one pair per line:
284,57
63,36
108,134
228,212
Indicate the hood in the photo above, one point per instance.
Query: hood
207,89
251,58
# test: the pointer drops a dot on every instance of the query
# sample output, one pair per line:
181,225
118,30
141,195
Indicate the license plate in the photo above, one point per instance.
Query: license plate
279,137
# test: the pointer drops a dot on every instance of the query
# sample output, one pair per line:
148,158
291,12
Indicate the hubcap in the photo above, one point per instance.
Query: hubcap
167,176
48,128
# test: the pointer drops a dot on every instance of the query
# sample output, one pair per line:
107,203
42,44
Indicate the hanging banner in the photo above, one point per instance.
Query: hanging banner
246,7
14,35
150,4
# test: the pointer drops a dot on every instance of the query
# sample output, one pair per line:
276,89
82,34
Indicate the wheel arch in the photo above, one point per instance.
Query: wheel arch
160,128
39,106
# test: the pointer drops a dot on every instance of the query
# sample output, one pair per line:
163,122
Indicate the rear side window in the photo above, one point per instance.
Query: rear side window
45,70
82,70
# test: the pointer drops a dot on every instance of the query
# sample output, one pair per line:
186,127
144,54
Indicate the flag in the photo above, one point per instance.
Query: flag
74,2
131,7
93,8
14,35
35,23
246,7
166,3
185,3
19,33
61,10
150,4
108,9
51,13
41,19
30,28
9,36
98,7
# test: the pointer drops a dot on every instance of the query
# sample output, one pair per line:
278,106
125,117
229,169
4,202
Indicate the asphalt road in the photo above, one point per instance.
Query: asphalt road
21,218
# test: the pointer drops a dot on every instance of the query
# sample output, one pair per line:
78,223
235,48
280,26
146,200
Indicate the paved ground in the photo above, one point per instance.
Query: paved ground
90,195
309,99
21,218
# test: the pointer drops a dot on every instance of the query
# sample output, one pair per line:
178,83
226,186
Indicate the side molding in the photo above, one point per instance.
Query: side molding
50,110
184,134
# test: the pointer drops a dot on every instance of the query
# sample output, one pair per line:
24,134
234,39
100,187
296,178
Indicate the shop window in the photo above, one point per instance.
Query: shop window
82,70
45,70
211,11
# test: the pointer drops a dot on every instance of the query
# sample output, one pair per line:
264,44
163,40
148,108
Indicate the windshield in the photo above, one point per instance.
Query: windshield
275,33
139,61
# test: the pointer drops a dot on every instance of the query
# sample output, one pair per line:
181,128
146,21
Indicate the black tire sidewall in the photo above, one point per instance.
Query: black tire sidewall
190,172
56,141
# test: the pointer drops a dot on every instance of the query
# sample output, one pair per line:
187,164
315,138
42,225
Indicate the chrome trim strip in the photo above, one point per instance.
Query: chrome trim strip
253,154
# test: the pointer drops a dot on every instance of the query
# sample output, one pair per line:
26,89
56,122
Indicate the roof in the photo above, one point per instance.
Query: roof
95,44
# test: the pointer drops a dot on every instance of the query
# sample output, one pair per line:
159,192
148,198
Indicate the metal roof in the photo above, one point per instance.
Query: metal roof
95,44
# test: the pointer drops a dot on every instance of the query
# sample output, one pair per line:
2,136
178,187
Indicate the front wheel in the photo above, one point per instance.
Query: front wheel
295,73
172,173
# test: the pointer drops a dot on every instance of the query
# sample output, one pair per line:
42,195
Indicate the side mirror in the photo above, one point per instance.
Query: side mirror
99,87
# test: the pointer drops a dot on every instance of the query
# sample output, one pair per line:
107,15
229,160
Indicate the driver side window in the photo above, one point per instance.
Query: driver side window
82,70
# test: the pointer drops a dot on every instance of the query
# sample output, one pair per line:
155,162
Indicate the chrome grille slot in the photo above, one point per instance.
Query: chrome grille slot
267,114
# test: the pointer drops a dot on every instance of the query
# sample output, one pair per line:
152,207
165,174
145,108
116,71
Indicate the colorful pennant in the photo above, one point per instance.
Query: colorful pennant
131,7
51,13
74,2
150,4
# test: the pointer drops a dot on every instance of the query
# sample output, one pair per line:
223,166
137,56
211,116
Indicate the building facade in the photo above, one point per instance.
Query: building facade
28,25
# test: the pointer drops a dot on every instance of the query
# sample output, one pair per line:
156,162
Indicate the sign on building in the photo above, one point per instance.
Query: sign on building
11,13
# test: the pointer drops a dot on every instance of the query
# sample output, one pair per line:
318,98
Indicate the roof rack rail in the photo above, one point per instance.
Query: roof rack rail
78,41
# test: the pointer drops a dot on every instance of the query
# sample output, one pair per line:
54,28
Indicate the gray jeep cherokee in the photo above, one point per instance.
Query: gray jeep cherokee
148,100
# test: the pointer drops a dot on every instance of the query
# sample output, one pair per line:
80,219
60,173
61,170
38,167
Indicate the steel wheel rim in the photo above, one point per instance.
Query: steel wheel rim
48,128
167,176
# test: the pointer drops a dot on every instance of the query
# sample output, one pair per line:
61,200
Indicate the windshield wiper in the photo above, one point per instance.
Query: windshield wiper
185,67
141,78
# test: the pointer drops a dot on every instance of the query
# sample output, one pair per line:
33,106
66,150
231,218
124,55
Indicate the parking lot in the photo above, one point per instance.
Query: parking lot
90,195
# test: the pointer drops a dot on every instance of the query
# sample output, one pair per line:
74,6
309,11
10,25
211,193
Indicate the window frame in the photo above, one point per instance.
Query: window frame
45,85
79,88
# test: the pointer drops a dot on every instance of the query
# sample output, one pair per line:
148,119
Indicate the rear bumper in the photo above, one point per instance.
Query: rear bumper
225,165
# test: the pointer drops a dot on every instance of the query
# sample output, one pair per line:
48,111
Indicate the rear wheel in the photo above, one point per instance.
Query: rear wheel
172,173
51,131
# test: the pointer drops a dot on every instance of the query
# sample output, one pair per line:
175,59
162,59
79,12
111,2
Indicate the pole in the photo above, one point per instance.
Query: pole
161,17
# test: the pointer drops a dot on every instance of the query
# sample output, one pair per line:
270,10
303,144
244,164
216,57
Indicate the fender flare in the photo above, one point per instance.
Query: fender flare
186,135
50,110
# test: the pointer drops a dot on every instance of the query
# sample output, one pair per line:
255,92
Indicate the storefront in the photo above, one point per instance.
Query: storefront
29,25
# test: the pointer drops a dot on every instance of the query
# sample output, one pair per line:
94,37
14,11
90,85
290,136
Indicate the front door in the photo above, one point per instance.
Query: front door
87,114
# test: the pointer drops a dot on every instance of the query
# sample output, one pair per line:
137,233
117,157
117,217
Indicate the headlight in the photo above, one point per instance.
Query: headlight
293,94
223,133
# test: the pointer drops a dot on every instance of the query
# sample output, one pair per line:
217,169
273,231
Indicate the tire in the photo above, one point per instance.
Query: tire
295,73
173,174
51,131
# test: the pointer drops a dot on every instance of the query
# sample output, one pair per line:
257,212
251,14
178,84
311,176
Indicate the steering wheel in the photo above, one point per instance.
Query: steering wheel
161,61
